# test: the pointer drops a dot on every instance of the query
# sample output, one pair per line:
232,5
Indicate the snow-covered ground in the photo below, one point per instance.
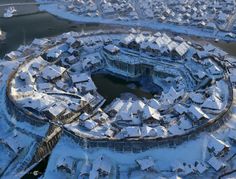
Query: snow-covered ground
155,25
16,138
163,161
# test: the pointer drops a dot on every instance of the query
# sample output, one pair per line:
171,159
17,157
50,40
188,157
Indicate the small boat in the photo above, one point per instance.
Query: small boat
2,35
217,40
9,12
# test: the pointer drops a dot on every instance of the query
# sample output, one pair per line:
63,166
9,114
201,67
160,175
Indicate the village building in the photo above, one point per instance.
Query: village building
216,164
146,163
217,147
66,164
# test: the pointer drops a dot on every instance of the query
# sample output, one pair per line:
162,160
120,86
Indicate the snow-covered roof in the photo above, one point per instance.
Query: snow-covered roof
56,110
196,97
117,105
52,72
216,145
197,112
216,164
67,163
14,144
201,167
182,49
180,108
148,131
213,103
102,164
232,134
149,112
40,42
145,163
79,78
84,116
90,124
112,48
137,105
86,168
132,131
56,51
154,103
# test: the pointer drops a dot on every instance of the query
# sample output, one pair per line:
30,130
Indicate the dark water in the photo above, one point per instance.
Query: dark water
229,47
23,29
38,171
111,87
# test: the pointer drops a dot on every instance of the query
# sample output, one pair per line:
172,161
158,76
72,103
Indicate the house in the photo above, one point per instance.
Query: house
55,111
180,109
131,131
90,124
80,78
13,55
13,143
71,59
74,43
145,163
148,131
177,167
84,116
137,107
217,146
86,87
216,164
111,49
232,135
127,40
196,114
66,164
92,62
85,170
212,103
74,106
197,98
150,113
26,77
116,107
154,103
201,167
62,85
52,72
180,51
40,42
44,86
103,165
109,133
55,52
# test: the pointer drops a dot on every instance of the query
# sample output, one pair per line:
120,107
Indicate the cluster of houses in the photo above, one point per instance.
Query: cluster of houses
70,166
50,91
206,14
209,15
118,9
56,84
12,146
215,159
216,152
